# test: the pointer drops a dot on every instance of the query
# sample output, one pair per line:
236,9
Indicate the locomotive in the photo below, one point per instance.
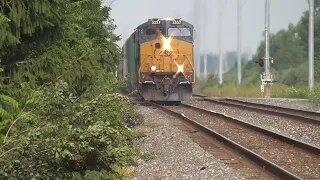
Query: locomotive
158,60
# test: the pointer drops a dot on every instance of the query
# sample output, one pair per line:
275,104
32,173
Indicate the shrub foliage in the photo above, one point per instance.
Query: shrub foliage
59,116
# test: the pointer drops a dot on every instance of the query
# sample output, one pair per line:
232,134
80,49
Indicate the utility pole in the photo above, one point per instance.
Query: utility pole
239,42
205,34
266,77
197,52
311,44
220,42
205,62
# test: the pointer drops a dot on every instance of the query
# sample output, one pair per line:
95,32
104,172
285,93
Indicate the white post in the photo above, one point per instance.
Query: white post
205,63
197,52
205,34
220,42
266,77
311,44
239,42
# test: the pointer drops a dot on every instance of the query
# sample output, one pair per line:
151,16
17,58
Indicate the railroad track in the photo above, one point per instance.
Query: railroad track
301,115
280,155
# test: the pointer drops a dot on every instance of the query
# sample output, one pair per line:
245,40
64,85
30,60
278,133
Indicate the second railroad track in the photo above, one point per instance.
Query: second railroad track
283,156
301,115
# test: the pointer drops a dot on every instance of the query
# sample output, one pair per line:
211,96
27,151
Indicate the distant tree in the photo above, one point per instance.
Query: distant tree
289,48
317,5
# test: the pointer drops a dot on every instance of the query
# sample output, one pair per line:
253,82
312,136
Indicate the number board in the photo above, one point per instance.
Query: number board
176,22
155,21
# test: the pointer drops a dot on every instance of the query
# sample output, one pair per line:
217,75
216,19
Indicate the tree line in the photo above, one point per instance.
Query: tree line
59,116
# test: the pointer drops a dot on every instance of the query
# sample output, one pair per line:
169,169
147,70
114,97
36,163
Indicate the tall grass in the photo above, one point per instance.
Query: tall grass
230,90
315,95
254,91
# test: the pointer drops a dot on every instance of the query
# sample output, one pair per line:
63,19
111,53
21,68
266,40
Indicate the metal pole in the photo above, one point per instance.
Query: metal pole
197,52
205,61
220,43
311,44
267,76
239,42
204,32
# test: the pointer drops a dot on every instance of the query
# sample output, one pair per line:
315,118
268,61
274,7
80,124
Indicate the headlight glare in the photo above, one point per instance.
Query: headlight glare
153,68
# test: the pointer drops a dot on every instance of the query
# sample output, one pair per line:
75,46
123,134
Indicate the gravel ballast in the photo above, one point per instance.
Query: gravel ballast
296,160
176,155
297,130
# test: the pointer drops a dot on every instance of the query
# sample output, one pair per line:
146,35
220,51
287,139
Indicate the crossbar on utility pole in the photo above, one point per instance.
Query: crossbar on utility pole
311,44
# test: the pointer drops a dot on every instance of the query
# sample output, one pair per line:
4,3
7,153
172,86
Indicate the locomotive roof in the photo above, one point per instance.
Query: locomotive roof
165,21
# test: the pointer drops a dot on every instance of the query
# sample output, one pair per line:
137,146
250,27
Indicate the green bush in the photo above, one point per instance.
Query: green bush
59,116
71,139
12,111
302,93
315,95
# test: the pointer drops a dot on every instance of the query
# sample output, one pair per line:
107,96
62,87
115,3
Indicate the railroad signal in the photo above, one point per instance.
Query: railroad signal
266,76
260,62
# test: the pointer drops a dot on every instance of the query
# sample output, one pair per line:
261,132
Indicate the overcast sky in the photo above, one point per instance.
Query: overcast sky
128,14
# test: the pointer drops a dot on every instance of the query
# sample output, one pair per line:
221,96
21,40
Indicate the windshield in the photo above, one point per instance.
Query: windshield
179,32
153,31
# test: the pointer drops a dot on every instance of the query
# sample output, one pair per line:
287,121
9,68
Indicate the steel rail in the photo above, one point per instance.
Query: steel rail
301,115
254,157
282,110
302,145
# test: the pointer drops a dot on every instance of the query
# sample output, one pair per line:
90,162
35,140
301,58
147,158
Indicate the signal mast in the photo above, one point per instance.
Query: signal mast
266,76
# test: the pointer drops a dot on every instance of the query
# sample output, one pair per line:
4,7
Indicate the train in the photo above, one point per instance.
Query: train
158,60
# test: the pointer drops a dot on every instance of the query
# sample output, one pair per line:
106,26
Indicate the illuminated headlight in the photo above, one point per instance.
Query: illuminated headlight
153,68
180,69
166,43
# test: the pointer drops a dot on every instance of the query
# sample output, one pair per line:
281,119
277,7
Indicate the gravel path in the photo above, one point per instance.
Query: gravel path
176,156
295,129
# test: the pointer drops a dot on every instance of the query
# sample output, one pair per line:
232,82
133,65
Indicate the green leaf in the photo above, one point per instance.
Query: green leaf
9,101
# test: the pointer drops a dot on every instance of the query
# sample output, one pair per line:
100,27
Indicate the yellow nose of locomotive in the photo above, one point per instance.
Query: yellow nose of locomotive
159,60
166,55
166,69
166,43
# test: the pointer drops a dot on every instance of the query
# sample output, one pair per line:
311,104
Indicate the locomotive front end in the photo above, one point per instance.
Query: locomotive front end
166,70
